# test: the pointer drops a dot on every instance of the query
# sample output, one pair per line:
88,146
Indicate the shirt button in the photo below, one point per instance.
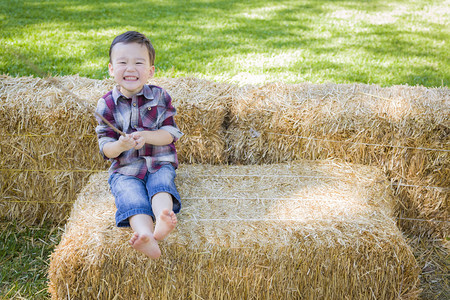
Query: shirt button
149,108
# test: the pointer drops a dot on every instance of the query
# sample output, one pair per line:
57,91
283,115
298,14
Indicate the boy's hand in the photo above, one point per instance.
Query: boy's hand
139,139
127,142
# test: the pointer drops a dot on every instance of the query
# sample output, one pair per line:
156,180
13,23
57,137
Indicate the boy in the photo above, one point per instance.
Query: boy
144,161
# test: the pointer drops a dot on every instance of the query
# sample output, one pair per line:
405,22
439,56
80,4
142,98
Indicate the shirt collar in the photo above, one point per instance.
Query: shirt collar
146,91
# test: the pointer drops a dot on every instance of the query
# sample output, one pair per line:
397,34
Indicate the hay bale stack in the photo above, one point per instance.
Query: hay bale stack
393,128
46,146
202,107
48,143
313,230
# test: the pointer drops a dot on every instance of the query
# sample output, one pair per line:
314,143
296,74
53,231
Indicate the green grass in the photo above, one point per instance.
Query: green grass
24,259
382,42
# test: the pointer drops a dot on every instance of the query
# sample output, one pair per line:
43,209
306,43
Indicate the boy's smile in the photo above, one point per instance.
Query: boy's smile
130,67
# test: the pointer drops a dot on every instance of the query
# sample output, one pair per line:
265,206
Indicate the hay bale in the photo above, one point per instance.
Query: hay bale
314,230
367,124
48,146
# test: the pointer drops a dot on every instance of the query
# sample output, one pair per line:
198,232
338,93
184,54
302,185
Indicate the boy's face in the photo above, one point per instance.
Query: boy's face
130,67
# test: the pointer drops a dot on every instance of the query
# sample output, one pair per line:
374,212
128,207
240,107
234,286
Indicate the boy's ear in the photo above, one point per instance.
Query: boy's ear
111,70
152,71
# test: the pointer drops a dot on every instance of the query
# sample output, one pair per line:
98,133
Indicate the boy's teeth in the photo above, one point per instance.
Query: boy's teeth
130,78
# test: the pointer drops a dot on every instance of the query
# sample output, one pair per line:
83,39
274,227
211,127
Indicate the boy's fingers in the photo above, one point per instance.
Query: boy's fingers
129,138
135,135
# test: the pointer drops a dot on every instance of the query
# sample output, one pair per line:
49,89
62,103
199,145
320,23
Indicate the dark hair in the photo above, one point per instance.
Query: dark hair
134,37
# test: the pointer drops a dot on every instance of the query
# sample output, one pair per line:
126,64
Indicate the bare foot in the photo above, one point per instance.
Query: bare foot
146,244
165,224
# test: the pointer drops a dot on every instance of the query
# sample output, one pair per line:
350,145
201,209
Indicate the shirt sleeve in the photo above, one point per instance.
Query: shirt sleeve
104,133
168,122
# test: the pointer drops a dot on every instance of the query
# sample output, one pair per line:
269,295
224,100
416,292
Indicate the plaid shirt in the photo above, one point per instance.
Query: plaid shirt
150,109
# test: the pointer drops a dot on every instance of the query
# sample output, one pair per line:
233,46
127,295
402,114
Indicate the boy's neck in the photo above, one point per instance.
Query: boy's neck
129,96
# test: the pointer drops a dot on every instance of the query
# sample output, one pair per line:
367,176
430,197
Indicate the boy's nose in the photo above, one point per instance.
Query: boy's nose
130,67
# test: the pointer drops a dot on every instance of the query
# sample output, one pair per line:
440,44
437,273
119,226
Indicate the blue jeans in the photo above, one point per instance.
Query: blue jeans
133,195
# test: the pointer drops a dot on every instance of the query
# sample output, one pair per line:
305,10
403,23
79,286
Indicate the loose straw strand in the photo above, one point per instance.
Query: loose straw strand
359,143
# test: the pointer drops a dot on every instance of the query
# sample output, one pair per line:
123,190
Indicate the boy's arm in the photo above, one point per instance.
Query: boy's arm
168,125
111,144
158,137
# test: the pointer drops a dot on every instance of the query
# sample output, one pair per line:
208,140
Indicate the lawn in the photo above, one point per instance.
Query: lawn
24,259
242,42
381,42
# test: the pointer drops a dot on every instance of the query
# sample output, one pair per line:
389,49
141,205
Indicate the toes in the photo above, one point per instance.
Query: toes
174,217
134,238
